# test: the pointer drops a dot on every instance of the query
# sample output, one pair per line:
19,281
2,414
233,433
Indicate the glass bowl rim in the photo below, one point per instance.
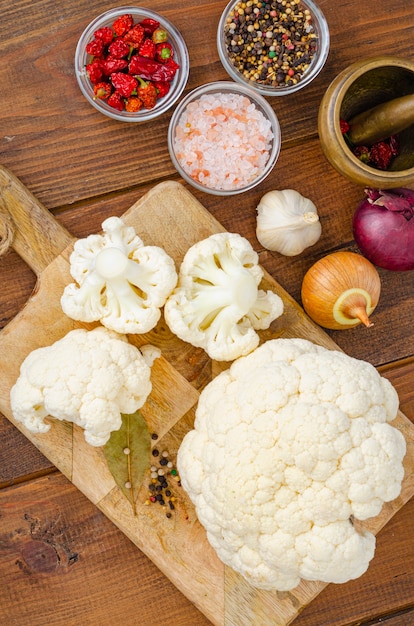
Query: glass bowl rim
315,68
180,48
229,87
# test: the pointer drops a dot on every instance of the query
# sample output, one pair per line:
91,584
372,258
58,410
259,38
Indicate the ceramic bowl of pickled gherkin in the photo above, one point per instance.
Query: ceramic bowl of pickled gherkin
274,48
131,64
366,122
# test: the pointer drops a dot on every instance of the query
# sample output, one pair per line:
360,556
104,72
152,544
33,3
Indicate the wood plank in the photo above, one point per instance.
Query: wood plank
336,200
51,513
402,618
183,555
72,138
60,557
401,375
37,247
19,458
54,142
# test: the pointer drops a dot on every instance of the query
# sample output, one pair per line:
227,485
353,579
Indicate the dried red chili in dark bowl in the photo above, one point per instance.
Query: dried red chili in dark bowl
379,155
121,49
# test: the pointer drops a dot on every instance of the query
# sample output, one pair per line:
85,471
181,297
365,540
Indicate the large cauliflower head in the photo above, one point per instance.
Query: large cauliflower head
289,446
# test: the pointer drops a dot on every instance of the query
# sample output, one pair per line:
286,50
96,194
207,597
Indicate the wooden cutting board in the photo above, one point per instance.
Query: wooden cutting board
168,216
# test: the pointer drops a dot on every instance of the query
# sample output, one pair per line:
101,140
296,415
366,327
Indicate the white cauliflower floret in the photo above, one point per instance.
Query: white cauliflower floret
281,460
87,377
217,304
119,281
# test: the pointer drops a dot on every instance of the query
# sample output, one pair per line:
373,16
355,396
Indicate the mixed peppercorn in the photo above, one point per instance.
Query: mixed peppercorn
380,155
132,64
163,476
271,43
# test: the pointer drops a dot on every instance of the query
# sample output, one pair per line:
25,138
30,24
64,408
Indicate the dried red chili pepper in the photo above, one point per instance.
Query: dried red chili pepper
116,101
362,153
162,87
119,49
95,71
102,91
123,24
147,49
95,47
105,34
171,65
127,52
344,126
159,35
147,93
124,83
150,69
164,51
109,65
149,25
381,155
133,104
135,36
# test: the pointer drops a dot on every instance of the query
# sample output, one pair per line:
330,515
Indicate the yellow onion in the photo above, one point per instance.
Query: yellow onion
341,290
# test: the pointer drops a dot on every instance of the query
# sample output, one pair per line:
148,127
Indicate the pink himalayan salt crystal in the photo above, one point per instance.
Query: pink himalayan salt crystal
223,141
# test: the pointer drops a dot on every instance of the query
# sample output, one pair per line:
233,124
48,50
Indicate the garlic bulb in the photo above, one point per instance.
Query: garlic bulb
287,222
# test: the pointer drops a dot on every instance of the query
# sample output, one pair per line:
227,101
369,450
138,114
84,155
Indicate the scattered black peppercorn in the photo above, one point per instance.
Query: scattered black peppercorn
159,489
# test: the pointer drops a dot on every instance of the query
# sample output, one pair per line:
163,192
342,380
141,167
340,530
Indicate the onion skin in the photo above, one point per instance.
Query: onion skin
383,228
341,290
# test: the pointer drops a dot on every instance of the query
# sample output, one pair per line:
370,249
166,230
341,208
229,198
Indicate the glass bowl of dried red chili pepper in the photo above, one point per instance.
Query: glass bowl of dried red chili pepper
224,138
131,64
274,47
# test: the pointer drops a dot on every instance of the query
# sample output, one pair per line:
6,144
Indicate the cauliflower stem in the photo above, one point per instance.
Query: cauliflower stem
119,281
217,304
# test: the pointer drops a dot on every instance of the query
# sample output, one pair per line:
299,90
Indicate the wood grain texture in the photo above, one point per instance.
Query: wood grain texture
52,537
84,168
169,216
63,128
336,200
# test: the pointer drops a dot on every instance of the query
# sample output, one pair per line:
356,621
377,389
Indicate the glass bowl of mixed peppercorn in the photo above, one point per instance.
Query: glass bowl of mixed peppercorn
276,47
131,64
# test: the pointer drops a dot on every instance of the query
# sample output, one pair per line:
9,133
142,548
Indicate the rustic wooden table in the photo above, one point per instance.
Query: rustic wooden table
61,560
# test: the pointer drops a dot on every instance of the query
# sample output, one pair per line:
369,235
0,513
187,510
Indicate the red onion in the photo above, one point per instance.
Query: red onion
383,227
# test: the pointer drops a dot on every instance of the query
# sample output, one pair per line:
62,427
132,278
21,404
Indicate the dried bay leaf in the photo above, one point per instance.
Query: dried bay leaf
128,469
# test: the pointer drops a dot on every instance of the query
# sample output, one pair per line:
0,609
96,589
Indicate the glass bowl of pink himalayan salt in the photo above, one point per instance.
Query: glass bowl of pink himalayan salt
223,138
